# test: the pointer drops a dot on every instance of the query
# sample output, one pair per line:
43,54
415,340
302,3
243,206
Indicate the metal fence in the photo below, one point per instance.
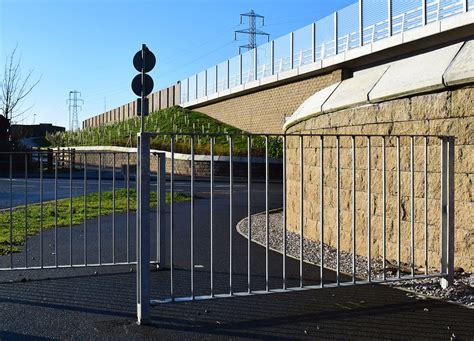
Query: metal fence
354,209
359,24
337,210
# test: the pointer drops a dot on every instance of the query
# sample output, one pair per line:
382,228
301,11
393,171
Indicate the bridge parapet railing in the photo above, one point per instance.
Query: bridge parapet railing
361,23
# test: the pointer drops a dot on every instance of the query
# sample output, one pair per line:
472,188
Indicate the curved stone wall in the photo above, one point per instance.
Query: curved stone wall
427,94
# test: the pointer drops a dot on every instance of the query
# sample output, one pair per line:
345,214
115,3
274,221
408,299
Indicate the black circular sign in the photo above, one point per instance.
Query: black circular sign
150,61
147,86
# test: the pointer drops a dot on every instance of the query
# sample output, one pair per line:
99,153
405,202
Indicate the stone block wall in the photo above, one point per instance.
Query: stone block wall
264,111
444,113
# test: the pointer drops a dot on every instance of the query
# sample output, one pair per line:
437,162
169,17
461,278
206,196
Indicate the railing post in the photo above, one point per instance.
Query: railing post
389,18
336,43
313,41
161,219
423,14
447,211
272,56
465,5
255,64
292,47
143,230
187,90
361,22
228,74
205,82
217,77
240,69
197,84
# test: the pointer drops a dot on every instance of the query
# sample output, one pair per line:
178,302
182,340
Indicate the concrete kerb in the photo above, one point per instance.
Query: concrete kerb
429,72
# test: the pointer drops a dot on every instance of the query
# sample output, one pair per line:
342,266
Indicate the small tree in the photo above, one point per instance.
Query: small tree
14,87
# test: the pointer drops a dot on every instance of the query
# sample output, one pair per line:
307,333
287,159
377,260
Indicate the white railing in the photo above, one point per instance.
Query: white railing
314,49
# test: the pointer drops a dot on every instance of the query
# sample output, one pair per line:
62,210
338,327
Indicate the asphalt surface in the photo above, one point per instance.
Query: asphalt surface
99,302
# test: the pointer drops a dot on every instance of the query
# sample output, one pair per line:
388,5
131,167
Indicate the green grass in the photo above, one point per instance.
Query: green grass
175,119
63,209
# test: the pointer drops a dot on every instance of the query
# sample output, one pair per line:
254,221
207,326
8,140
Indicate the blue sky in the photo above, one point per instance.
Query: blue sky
88,45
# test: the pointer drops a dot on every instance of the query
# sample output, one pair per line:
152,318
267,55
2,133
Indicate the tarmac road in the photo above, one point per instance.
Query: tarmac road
77,303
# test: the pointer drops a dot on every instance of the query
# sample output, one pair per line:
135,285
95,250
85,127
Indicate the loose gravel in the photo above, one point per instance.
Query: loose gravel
461,292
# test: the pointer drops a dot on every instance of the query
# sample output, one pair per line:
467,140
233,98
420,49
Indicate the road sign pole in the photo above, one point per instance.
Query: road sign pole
143,193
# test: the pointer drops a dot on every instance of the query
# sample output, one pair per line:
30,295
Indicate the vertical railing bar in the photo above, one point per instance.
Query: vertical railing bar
321,181
272,57
41,209
426,202
338,203
398,210
255,64
384,214
240,70
335,23
11,209
292,47
70,207
26,210
412,206
353,210
301,209
85,209
113,208
267,218
361,23
231,224
423,9
56,212
128,207
313,42
212,215
390,17
369,212
284,214
99,210
249,216
192,216
158,213
172,216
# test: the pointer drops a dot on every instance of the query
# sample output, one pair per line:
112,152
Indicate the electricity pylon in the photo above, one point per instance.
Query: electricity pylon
252,31
74,108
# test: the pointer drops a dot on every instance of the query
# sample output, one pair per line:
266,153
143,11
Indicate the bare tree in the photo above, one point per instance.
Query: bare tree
15,87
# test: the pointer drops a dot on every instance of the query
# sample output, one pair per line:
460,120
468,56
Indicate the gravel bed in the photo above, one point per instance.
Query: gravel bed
461,292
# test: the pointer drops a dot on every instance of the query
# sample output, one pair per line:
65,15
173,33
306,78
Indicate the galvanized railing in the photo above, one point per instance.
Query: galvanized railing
368,201
354,209
361,23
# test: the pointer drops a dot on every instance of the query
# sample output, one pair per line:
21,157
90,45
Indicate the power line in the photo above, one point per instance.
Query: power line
74,109
252,31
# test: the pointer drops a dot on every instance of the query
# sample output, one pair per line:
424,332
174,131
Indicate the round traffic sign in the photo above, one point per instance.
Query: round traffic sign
150,61
137,85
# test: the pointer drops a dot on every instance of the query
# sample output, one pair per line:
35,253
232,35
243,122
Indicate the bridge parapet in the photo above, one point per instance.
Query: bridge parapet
355,32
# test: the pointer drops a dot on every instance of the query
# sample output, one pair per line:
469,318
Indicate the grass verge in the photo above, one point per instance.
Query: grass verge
30,223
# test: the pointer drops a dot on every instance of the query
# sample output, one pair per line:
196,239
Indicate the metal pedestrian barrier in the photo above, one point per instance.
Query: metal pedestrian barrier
286,212
246,214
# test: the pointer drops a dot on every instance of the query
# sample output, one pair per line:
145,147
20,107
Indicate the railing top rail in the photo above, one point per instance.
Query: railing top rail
154,134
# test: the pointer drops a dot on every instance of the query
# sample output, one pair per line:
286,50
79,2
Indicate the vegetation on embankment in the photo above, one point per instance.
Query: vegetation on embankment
63,209
175,119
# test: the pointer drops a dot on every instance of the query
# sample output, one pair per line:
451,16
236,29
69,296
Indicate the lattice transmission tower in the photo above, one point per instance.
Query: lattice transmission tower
75,105
252,31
